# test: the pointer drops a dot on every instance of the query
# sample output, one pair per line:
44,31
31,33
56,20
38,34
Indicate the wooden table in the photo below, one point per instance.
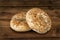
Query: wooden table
8,8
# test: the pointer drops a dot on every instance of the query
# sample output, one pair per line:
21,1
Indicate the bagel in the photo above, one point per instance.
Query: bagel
18,22
38,20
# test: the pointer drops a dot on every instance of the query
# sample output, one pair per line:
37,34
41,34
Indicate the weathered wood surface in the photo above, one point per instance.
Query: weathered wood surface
8,8
7,13
55,3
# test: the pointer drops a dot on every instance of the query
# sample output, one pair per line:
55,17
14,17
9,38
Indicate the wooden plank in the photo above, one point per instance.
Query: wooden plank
30,3
31,39
19,3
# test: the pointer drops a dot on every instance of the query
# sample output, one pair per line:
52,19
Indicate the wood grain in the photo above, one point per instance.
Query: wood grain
55,3
7,32
8,8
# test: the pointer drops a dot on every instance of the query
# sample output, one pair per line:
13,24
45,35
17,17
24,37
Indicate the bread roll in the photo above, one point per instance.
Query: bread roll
38,20
18,22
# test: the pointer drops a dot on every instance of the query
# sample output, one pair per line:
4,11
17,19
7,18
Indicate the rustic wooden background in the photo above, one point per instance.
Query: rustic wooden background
8,8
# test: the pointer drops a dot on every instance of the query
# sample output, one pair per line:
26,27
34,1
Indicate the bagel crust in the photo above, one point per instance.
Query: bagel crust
38,20
18,22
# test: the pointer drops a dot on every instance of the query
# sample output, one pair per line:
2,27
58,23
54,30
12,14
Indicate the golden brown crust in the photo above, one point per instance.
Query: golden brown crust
18,23
38,20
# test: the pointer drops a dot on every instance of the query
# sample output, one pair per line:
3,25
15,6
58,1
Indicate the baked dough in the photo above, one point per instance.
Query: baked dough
38,20
18,22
